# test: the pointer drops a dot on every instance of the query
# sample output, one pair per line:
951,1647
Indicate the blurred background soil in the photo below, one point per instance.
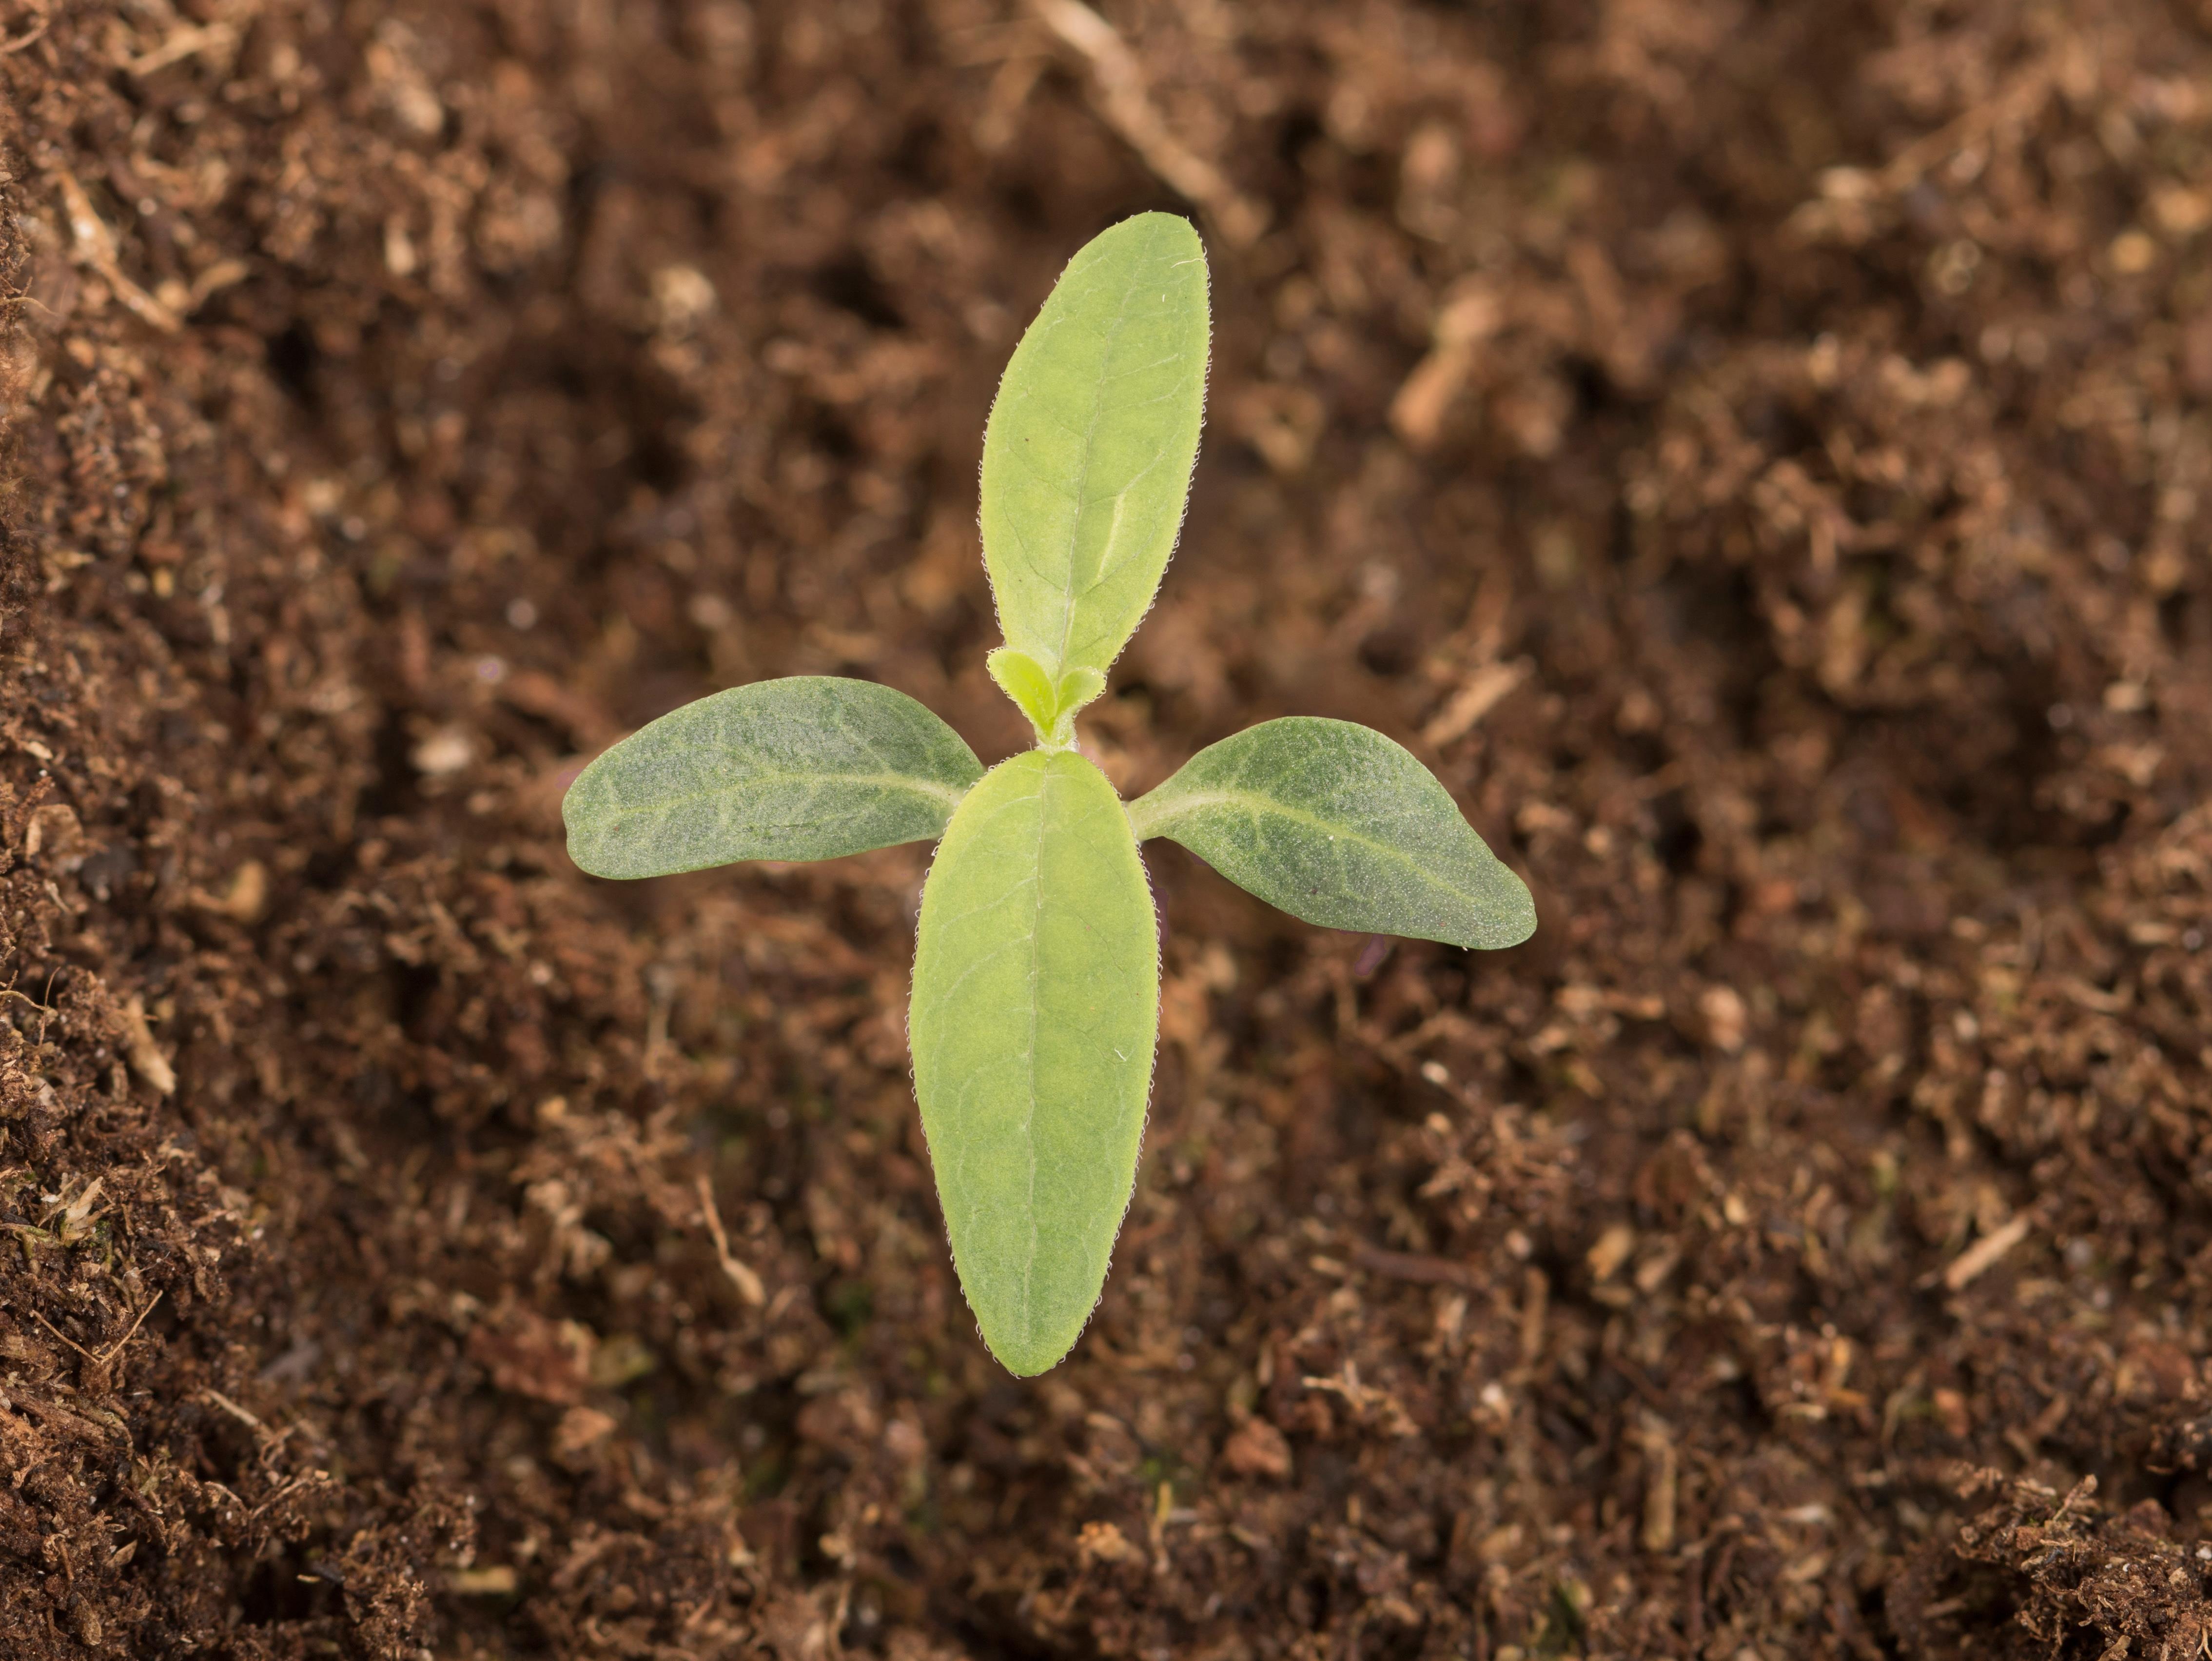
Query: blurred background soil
1760,454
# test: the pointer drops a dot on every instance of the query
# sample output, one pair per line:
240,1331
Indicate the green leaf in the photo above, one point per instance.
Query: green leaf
1078,687
1339,826
1050,704
1024,679
1036,1000
805,769
1088,453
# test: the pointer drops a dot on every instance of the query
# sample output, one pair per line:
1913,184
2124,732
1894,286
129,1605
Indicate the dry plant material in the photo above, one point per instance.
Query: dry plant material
1128,109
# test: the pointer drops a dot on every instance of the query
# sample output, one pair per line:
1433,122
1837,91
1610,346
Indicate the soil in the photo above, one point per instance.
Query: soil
1760,455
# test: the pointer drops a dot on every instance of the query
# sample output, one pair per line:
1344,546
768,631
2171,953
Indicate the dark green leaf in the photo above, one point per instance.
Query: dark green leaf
1339,826
805,769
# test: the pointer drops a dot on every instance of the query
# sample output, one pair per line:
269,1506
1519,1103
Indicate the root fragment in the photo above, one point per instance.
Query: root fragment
1126,106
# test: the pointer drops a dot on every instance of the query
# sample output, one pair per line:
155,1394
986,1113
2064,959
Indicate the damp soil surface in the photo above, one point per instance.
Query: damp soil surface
1759,455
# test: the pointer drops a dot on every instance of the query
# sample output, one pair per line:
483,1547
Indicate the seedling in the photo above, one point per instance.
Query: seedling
1035,992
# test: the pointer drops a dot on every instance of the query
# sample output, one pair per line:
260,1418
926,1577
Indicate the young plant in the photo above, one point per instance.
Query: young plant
1036,990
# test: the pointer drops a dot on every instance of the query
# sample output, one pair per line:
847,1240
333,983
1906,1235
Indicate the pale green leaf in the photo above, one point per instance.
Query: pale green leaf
1024,679
1339,826
1078,687
1036,1000
805,769
1050,704
1088,454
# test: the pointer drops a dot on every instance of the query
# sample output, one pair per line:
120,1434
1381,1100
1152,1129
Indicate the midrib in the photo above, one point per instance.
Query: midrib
1083,477
1155,823
1029,1117
878,781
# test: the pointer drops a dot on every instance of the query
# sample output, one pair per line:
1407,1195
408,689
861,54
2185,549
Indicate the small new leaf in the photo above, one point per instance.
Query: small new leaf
1339,826
804,768
1050,704
1024,679
1088,453
1078,687
1036,996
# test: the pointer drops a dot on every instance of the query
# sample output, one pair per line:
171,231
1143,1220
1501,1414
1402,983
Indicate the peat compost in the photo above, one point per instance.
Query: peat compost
1759,455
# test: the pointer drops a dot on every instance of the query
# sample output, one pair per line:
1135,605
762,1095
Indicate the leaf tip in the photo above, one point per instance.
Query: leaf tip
1512,923
1029,1357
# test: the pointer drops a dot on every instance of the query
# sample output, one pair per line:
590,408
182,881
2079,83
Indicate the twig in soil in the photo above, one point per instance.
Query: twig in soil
284,1491
236,1411
1476,697
1535,1302
1469,316
95,247
1985,1251
184,43
64,1337
30,37
1126,106
113,1350
1011,86
1419,1268
45,1010
747,1283
2017,101
1368,1402
2080,1490
1723,1561
1693,1599
116,1348
2025,1439
147,1060
1660,1484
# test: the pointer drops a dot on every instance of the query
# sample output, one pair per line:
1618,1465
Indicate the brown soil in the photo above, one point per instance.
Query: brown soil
1761,455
